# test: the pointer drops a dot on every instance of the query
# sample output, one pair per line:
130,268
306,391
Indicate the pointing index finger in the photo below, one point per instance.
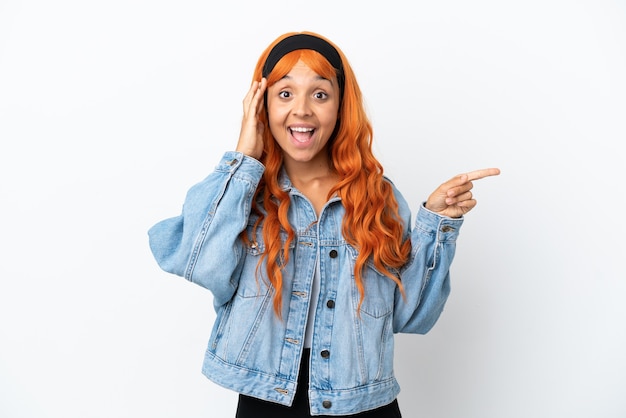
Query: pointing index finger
479,174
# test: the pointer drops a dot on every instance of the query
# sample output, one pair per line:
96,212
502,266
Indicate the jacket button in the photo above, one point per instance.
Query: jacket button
325,353
330,304
327,404
333,253
447,228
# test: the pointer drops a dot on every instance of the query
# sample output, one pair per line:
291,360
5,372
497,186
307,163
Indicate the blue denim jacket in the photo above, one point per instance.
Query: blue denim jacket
254,352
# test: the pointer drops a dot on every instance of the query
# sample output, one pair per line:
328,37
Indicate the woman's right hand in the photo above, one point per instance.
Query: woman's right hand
251,135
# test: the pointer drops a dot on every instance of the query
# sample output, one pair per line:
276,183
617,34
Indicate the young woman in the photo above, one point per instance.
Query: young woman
308,249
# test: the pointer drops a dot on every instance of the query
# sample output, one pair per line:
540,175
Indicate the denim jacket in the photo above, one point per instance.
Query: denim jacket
254,352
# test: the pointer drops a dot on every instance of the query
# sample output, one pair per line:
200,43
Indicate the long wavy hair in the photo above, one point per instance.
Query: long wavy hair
371,223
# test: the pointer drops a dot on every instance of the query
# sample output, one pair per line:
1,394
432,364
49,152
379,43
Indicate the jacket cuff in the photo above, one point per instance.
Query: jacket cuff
446,229
240,165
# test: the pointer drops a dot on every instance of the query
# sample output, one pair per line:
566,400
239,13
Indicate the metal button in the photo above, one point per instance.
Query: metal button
447,228
330,304
327,404
325,353
333,253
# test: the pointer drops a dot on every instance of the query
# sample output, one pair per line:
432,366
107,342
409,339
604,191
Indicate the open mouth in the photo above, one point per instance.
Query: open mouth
301,134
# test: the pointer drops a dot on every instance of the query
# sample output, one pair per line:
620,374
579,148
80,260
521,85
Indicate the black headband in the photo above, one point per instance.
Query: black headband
304,41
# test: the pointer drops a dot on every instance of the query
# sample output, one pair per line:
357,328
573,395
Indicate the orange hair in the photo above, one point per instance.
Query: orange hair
371,223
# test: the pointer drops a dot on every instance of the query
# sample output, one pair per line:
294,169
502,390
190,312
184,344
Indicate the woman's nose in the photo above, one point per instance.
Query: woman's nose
301,106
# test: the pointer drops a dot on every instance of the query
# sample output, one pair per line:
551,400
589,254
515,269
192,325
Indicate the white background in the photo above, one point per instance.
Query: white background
110,110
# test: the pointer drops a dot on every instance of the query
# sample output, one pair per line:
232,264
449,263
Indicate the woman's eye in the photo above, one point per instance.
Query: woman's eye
284,94
320,95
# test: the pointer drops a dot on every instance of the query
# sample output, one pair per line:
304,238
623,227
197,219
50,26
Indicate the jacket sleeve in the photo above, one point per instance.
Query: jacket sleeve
202,244
426,276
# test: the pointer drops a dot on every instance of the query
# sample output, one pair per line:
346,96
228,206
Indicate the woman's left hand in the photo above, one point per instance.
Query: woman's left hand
454,198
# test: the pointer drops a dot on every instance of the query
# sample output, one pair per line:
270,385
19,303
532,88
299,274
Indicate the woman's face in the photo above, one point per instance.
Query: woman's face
302,111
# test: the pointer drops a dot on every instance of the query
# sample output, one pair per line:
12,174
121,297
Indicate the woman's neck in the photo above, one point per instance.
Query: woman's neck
314,179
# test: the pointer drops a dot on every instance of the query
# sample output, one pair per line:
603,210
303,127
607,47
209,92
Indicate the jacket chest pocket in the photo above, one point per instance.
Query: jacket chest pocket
379,297
254,280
